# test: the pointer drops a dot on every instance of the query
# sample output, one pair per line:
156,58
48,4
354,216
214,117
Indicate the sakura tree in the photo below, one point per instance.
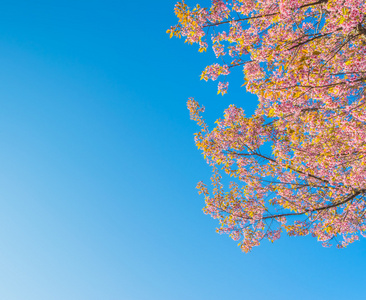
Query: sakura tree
306,62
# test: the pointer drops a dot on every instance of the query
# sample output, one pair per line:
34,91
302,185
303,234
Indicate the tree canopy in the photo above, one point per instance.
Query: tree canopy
306,62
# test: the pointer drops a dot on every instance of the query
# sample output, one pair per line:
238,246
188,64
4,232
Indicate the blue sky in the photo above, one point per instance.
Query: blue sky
98,168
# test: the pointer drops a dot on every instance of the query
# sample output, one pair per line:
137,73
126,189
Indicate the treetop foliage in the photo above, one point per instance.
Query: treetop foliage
306,62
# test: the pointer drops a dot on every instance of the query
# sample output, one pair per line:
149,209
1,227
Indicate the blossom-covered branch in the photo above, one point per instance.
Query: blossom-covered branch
306,62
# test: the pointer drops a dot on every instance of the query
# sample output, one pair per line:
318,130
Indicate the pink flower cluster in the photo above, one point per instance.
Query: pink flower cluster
299,163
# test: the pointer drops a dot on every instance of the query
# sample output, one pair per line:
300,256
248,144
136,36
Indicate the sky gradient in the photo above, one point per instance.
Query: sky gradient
98,168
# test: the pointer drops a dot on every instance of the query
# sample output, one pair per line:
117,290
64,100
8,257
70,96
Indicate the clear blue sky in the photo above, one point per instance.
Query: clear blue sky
98,168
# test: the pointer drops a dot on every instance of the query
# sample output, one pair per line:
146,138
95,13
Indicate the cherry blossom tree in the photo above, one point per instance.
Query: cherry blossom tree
306,62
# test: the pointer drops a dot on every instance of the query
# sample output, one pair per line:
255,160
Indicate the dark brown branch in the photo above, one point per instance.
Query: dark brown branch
349,198
262,16
314,3
361,29
240,19
309,40
276,162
